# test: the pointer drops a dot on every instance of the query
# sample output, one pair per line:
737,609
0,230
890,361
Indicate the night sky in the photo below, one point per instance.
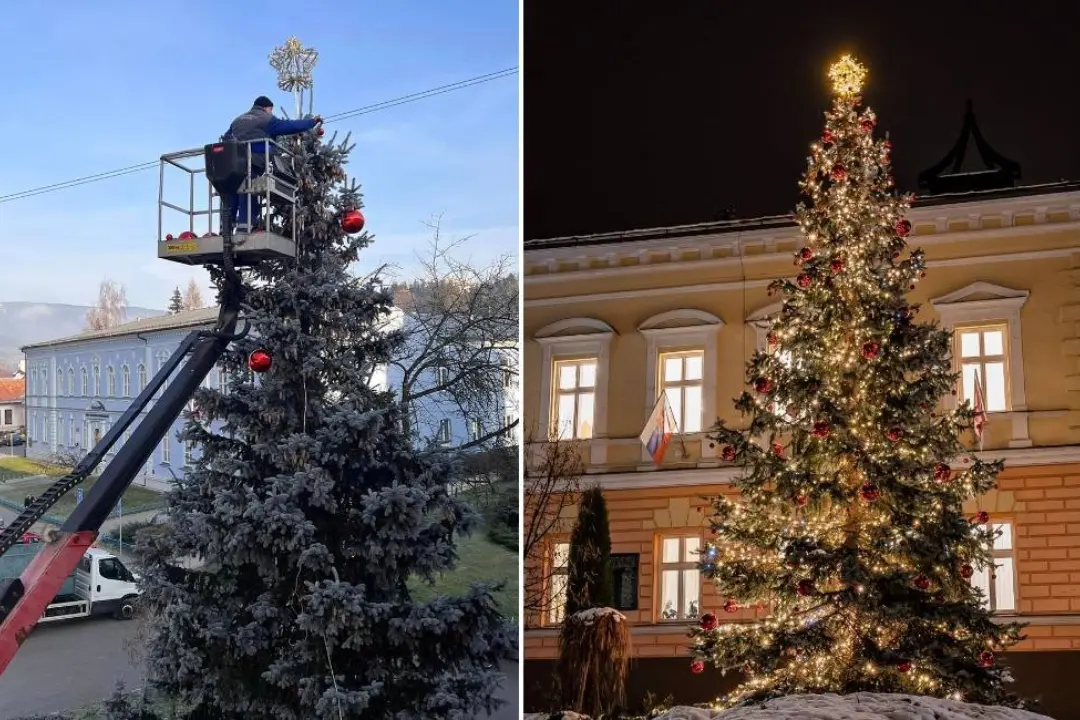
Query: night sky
638,118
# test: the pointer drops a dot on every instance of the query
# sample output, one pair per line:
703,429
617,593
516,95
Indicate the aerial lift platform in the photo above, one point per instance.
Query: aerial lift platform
219,170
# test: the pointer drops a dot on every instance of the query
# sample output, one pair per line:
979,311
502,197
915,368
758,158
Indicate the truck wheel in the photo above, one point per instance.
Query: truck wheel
126,611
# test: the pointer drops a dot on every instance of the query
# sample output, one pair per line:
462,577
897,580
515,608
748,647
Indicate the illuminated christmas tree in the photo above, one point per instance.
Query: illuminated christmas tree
849,526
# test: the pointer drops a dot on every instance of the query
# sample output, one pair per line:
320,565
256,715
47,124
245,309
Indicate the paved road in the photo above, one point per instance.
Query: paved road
71,665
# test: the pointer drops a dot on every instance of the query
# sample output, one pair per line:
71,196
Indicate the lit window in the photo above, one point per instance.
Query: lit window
142,377
110,376
575,399
680,579
998,583
681,380
982,353
125,379
560,573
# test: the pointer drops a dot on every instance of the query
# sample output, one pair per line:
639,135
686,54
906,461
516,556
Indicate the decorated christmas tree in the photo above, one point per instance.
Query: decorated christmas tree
848,531
310,515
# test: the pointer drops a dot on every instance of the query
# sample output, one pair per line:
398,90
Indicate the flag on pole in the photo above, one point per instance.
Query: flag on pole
659,429
979,421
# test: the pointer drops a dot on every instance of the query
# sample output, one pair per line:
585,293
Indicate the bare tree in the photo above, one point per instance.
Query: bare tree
193,298
460,355
110,309
552,484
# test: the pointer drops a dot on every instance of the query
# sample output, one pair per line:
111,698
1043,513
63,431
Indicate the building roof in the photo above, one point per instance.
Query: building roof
177,321
12,390
784,221
948,175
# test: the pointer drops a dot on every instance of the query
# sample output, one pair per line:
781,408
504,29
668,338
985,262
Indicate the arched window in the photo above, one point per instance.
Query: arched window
142,377
110,375
45,383
71,383
125,379
97,379
84,387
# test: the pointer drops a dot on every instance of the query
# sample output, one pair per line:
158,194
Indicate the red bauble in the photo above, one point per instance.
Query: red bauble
804,281
839,172
942,472
806,253
982,517
727,454
709,622
903,228
836,265
827,137
986,659
188,235
887,145
772,339
801,500
896,434
922,582
966,571
870,350
260,361
169,237
869,492
805,588
904,666
319,131
730,606
867,125
778,450
822,429
763,385
352,221
697,667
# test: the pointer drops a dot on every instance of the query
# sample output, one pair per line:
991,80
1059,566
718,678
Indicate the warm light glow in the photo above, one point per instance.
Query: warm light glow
847,76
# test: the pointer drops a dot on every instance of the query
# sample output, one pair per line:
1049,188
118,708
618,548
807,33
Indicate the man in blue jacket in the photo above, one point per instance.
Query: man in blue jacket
259,123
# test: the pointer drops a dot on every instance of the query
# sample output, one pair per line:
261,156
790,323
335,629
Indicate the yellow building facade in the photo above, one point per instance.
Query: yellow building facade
612,321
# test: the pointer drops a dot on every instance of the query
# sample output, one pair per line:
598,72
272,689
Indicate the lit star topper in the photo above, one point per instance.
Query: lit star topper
847,76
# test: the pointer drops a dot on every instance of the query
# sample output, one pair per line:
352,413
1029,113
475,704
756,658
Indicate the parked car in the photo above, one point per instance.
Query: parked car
12,438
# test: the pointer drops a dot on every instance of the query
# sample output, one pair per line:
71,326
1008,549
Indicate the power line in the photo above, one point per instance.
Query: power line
365,110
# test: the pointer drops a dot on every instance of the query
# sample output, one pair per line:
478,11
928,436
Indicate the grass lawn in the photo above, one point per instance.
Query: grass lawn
23,466
136,497
479,560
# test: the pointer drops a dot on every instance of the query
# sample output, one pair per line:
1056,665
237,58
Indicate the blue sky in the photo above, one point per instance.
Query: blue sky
120,83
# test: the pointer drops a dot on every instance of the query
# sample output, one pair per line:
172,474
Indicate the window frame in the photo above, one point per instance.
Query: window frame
110,381
85,384
680,566
663,385
992,571
981,359
555,612
166,450
446,437
567,339
143,377
125,380
557,393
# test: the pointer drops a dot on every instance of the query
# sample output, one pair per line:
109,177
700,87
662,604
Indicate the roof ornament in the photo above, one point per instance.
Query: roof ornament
947,176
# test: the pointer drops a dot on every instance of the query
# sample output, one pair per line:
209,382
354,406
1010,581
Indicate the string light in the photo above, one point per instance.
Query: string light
845,527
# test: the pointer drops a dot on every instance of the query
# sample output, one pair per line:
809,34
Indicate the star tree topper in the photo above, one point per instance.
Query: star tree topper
294,64
847,76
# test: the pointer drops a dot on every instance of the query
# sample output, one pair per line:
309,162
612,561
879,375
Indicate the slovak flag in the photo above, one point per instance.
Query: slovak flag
979,421
659,429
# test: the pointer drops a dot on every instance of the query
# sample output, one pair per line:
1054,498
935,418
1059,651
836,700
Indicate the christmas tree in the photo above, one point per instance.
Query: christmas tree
310,513
176,302
849,526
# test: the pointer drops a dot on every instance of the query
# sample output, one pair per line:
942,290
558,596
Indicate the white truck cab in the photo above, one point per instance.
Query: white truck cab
103,586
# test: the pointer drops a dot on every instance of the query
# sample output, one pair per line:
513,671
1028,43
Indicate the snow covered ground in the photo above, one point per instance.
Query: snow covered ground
860,706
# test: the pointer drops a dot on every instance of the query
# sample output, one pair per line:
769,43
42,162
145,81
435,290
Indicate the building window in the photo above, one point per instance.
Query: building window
110,378
443,436
71,383
476,429
681,378
33,382
45,390
442,376
71,432
575,399
125,381
166,450
506,372
680,579
85,386
998,583
97,380
559,575
223,380
142,377
189,452
982,352
9,417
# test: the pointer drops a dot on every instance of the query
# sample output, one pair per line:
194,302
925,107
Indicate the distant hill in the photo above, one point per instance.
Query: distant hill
23,323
